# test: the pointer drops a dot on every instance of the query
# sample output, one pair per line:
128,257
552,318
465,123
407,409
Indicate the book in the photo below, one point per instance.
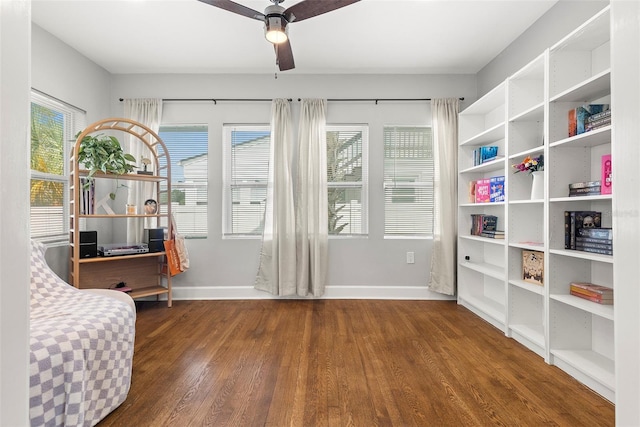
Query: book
599,300
483,190
596,233
594,240
582,244
585,184
586,191
472,192
496,189
567,229
595,251
533,267
592,288
488,153
607,175
492,236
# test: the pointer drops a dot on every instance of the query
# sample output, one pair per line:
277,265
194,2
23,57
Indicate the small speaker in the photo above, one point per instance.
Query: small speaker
154,238
88,244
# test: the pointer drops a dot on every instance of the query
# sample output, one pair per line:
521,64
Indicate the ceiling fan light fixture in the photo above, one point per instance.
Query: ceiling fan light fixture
275,29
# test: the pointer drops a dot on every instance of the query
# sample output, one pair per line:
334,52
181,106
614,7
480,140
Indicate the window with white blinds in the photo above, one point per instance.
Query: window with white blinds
347,179
246,154
408,181
188,147
54,125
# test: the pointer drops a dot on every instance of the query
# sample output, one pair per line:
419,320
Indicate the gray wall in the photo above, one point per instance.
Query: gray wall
358,267
559,21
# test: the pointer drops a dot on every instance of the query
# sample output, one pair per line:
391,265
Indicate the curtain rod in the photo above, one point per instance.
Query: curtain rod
216,100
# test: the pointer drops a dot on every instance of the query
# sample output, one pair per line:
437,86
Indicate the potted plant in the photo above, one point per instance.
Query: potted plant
104,153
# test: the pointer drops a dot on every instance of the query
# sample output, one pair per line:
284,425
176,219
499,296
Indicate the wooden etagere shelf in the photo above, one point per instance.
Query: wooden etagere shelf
144,273
527,115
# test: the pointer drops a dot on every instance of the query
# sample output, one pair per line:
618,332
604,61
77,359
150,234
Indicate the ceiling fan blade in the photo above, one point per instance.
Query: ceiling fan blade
309,8
235,8
284,56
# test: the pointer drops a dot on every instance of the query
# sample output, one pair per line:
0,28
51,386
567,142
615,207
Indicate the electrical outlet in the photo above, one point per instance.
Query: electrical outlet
410,258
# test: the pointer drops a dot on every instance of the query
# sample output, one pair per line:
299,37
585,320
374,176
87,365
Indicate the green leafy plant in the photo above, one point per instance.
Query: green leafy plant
102,153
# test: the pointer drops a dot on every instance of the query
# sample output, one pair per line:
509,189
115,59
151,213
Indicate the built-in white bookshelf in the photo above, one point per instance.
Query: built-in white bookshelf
527,115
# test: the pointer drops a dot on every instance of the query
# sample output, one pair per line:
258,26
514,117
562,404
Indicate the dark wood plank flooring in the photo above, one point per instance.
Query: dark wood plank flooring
341,363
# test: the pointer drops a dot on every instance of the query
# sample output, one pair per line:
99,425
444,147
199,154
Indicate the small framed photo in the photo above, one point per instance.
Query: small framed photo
150,207
533,267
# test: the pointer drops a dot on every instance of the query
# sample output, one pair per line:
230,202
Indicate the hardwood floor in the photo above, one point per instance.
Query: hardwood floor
341,363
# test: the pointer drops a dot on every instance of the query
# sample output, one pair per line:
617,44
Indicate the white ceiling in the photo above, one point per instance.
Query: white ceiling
371,36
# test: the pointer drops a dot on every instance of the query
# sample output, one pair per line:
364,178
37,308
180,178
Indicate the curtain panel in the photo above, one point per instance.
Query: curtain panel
444,116
277,269
149,113
312,232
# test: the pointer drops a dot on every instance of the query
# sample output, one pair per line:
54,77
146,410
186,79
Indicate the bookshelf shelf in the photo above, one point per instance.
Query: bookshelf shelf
528,115
144,273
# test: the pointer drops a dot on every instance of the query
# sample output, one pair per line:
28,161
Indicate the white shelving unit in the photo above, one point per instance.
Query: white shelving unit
527,115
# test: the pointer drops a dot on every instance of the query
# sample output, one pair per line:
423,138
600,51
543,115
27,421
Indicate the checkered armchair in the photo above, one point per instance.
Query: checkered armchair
81,350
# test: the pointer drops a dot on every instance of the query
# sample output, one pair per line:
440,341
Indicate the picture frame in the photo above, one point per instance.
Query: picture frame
533,267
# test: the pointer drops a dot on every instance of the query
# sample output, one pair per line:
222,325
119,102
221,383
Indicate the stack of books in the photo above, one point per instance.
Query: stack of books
587,188
484,154
574,221
485,226
598,120
595,240
591,292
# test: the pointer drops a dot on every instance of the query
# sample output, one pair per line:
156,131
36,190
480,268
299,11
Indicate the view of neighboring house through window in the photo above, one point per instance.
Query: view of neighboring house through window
408,181
54,125
347,179
188,147
246,169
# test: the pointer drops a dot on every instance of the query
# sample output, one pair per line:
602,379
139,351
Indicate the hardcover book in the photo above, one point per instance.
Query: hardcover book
496,188
533,267
585,184
599,300
488,153
483,190
607,175
596,233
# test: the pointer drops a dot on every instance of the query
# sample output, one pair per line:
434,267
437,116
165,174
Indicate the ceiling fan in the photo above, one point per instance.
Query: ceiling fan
276,19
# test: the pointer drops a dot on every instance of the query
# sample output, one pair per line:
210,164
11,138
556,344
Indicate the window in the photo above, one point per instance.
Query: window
408,181
245,178
54,125
188,147
347,179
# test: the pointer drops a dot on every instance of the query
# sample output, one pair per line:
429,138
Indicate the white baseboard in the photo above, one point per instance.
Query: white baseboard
331,292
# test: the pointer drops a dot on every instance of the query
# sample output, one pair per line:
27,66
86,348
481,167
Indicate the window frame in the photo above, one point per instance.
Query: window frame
74,120
227,177
362,185
402,185
199,187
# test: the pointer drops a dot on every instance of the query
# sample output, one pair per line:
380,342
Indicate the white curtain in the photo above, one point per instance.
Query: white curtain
311,199
277,270
444,116
149,113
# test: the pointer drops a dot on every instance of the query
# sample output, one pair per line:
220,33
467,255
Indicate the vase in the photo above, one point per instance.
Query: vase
537,185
